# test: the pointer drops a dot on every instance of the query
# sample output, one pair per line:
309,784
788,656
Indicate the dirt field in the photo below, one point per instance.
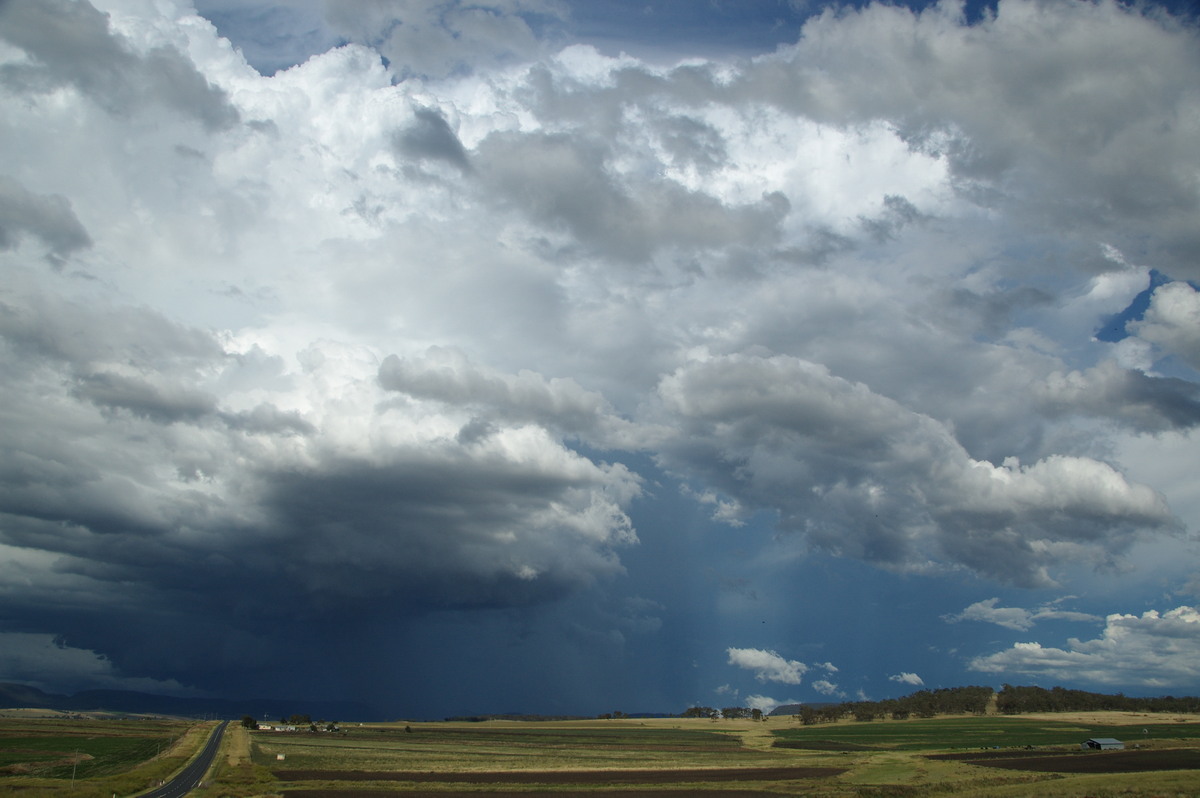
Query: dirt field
589,777
529,793
1084,761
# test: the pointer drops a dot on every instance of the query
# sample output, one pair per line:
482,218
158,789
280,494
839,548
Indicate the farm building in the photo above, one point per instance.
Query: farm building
1102,744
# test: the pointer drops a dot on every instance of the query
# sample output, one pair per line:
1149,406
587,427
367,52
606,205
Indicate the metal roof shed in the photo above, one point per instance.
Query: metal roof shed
1102,744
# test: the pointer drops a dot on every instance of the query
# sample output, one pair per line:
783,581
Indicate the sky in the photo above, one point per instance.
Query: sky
578,357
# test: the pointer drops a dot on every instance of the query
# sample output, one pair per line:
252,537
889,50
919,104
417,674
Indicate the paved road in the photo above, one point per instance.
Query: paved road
189,778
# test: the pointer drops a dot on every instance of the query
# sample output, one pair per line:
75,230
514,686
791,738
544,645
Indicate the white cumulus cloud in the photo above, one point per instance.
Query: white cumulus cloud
761,702
767,665
1015,617
905,677
1158,650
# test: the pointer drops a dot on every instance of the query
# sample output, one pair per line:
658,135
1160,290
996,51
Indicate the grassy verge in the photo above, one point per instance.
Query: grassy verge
234,773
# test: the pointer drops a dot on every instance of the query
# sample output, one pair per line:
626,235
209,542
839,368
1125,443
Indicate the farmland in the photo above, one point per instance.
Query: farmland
981,756
96,756
726,759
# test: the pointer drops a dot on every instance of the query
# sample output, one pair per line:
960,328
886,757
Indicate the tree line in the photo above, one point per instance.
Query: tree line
727,712
1015,700
972,700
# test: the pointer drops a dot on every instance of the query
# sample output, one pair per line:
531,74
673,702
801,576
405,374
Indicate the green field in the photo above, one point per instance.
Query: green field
87,756
973,732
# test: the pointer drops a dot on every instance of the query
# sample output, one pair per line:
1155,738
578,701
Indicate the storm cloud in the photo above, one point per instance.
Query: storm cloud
414,330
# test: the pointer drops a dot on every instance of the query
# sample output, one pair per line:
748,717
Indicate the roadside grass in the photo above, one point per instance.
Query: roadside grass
234,774
93,758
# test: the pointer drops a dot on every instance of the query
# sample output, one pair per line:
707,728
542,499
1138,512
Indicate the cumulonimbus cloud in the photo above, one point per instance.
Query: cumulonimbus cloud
360,340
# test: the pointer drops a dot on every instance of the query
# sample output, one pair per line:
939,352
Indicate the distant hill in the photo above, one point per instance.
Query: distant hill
20,696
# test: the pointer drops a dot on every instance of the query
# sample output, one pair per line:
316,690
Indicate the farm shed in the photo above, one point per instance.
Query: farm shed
1102,744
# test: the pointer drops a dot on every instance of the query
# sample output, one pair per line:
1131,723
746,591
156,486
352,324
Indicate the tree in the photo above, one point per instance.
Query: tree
700,712
248,722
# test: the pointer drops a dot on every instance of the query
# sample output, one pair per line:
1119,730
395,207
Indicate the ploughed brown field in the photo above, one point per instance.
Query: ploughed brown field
1083,761
527,793
590,777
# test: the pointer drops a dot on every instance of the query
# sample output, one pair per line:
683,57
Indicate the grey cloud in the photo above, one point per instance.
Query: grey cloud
161,403
448,376
86,336
48,217
70,43
818,246
1071,112
442,530
693,142
150,479
820,243
564,182
1141,402
897,213
990,313
267,419
430,136
860,475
